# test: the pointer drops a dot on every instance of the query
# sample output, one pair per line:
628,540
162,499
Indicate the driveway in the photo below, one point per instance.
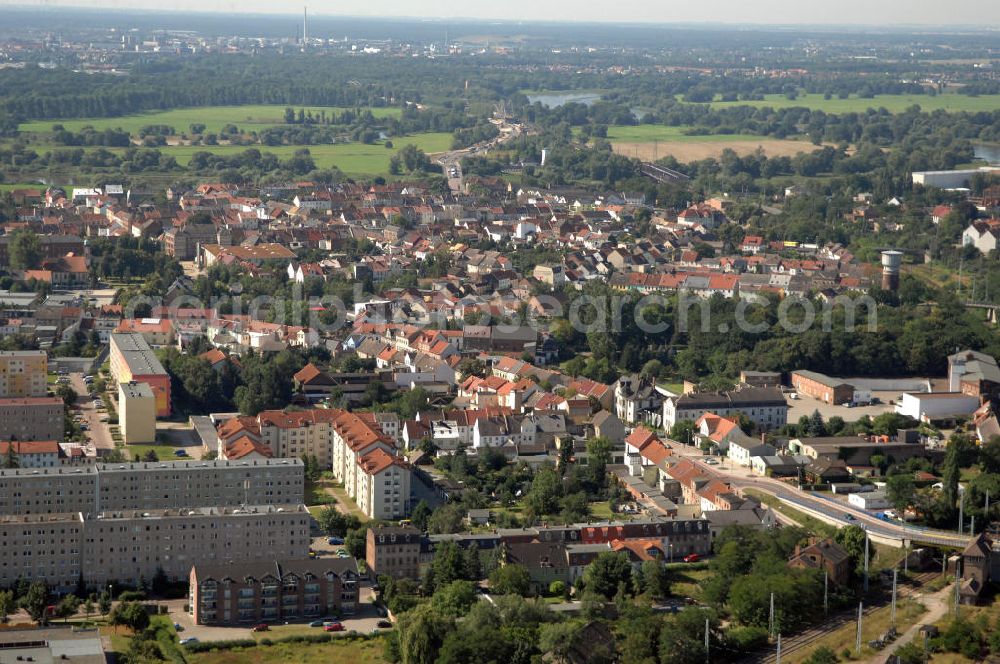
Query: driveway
99,433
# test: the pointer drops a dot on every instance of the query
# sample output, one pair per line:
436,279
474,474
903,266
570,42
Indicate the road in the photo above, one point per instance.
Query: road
509,130
98,433
825,508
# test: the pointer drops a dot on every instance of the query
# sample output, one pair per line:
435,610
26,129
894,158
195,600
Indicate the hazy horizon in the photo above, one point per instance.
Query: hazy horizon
859,13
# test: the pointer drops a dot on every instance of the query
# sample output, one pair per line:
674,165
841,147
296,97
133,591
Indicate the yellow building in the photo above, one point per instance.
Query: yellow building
23,373
137,413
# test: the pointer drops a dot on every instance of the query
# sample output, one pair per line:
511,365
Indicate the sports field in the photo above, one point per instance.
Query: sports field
213,117
892,103
652,142
352,158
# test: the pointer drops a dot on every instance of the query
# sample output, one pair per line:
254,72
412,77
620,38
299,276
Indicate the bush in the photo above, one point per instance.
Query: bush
747,638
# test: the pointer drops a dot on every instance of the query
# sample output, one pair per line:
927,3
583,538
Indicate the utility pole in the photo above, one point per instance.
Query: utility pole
906,559
777,656
958,590
706,642
961,511
866,560
770,621
857,645
826,591
895,574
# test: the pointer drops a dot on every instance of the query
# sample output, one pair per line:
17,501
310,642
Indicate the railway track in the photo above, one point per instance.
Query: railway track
805,639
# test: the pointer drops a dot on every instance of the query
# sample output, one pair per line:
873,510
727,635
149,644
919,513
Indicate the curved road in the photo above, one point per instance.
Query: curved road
835,512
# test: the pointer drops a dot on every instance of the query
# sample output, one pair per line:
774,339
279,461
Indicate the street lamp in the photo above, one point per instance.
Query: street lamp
670,546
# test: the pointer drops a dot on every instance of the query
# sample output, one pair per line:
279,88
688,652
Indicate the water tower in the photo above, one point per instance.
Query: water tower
891,261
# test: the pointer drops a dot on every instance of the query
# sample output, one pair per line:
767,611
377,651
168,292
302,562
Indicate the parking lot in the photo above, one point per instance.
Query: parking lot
804,405
364,620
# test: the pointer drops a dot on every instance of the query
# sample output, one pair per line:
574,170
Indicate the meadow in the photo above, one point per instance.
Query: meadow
351,158
652,142
213,117
892,103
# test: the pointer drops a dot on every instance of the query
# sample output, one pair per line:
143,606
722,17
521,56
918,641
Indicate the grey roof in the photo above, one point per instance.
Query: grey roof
820,378
277,568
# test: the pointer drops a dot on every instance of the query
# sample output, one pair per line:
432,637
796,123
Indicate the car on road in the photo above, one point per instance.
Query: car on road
712,462
190,639
316,623
262,627
333,627
692,558
383,624
849,517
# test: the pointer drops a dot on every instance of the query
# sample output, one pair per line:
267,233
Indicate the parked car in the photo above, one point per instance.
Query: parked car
262,627
333,627
712,462
692,558
384,624
190,639
334,541
316,623
180,453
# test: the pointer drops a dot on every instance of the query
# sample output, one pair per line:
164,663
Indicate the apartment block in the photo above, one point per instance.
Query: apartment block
394,551
23,373
131,546
353,445
41,547
270,591
137,412
32,418
382,490
132,360
32,453
147,486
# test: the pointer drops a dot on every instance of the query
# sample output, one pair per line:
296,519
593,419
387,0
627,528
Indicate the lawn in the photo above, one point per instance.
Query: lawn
163,452
688,582
892,103
355,652
602,510
5,187
810,523
213,117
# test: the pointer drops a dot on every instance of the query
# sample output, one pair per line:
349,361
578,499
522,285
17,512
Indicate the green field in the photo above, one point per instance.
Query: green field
352,158
5,186
665,134
356,652
892,103
213,117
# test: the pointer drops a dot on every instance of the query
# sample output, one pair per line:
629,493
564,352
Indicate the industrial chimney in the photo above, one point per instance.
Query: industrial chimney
891,261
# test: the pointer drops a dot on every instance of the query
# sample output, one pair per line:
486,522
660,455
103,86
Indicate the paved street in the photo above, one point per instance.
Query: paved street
99,432
831,510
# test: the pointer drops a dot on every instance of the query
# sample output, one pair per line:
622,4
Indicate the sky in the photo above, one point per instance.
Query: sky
888,13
